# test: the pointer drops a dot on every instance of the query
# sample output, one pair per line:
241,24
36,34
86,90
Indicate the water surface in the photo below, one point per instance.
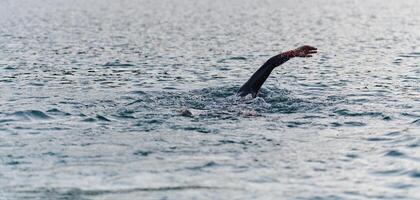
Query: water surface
91,94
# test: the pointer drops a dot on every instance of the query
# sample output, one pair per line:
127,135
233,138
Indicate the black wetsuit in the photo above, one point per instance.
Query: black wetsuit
253,85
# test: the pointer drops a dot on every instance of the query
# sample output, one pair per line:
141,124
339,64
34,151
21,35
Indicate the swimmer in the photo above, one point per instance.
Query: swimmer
253,85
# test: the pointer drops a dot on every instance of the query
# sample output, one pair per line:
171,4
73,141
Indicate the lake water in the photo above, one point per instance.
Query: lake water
91,93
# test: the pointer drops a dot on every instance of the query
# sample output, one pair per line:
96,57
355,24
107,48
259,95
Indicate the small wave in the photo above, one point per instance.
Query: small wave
394,133
346,112
10,68
410,55
414,174
399,172
394,153
97,118
102,118
410,115
195,128
13,162
351,123
201,167
30,115
117,63
55,111
391,172
77,193
232,58
352,156
417,122
378,139
401,186
142,153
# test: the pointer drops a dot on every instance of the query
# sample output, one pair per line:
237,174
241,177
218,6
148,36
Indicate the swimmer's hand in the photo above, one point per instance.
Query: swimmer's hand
303,51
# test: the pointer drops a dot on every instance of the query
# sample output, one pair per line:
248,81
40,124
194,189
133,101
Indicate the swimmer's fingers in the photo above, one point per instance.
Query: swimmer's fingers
309,54
305,51
312,51
311,48
306,54
306,48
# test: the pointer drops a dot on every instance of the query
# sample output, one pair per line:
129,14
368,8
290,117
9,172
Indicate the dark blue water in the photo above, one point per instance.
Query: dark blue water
135,100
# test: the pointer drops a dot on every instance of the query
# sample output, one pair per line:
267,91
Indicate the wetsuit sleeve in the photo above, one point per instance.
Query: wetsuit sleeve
253,85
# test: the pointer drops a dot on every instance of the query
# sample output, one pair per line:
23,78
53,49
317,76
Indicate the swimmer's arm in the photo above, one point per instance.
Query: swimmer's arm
253,85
